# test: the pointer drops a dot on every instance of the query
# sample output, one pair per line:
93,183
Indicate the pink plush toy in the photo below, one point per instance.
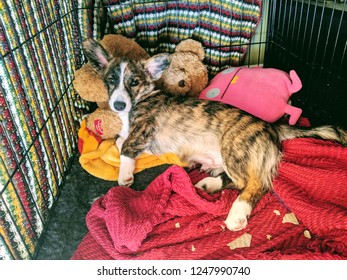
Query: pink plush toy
262,92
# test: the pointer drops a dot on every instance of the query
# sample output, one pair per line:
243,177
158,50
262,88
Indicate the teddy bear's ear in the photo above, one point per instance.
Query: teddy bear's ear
192,46
157,64
96,54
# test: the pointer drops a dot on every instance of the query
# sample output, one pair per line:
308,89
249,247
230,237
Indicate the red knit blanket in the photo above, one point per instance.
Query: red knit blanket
305,217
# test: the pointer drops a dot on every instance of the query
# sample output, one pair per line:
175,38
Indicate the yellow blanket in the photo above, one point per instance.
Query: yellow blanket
101,158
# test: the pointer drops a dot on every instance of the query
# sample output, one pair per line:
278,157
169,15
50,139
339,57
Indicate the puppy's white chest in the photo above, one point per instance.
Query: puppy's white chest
124,117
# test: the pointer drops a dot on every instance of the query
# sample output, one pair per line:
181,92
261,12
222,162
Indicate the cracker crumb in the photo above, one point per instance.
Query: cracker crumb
177,225
290,218
268,237
277,212
307,234
193,248
241,242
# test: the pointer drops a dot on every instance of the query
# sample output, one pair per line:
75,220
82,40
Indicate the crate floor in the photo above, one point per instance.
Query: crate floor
67,225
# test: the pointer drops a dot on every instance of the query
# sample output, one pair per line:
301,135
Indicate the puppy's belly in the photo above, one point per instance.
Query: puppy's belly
195,150
207,161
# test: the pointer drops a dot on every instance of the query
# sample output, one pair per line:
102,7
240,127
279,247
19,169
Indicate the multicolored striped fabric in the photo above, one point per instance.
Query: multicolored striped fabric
225,28
40,50
92,19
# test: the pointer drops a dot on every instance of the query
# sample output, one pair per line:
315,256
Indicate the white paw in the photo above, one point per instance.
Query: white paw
126,171
210,184
238,215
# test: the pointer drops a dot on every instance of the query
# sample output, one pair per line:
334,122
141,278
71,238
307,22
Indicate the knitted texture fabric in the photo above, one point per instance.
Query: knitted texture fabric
225,28
304,217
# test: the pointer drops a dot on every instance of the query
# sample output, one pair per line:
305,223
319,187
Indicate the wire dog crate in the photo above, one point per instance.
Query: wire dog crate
40,45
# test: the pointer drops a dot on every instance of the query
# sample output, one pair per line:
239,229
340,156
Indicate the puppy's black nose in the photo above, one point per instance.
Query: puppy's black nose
119,105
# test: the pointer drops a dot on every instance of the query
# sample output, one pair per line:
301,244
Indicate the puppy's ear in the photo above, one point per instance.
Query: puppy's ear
96,54
157,64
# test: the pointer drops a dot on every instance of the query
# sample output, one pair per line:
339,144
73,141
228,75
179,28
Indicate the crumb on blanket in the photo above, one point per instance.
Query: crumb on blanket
307,234
290,218
241,242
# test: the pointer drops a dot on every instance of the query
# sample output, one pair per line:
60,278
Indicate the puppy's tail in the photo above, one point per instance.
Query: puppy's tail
325,132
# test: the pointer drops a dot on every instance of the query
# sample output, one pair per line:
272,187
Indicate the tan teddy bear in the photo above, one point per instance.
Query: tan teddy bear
186,75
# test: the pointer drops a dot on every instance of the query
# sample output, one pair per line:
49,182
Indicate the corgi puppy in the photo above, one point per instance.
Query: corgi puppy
220,138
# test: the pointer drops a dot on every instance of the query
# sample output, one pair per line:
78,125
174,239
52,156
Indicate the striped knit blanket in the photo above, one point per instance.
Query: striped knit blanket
225,28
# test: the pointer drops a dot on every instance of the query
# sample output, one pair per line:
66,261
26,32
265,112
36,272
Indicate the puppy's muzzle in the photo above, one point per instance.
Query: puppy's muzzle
119,105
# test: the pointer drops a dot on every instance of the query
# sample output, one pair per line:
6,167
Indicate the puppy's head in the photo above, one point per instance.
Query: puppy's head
126,80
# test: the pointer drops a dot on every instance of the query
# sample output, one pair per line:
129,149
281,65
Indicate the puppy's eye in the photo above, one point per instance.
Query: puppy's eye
133,82
113,79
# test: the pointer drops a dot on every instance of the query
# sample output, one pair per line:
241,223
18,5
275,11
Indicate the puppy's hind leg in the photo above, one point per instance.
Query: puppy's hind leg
253,177
242,207
252,169
250,153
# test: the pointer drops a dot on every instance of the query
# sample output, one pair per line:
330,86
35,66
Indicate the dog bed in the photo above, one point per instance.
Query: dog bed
304,217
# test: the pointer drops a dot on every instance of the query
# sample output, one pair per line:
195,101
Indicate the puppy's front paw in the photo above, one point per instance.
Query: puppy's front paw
126,171
238,215
126,180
